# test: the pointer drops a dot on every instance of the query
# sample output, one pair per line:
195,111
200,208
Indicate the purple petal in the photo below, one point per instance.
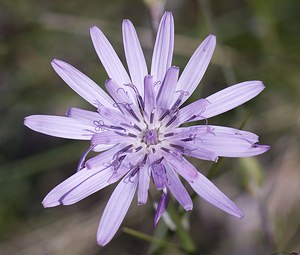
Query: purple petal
77,187
131,160
149,96
59,126
107,55
102,147
207,190
229,145
120,95
196,67
193,150
231,97
182,166
144,182
163,48
220,130
134,56
81,84
178,190
167,89
191,111
159,175
117,118
116,210
102,159
83,116
161,207
110,137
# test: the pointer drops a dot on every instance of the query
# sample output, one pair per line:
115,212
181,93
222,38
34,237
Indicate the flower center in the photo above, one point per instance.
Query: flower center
151,137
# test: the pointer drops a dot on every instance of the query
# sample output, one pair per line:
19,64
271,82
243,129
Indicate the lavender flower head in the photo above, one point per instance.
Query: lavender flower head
137,128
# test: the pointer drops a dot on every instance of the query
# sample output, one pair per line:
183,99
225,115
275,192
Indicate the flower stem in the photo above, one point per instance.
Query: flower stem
149,238
187,243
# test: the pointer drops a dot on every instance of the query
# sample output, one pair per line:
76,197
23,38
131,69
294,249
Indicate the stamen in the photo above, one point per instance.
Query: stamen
137,127
131,125
164,115
138,96
171,120
132,135
138,149
169,134
187,139
165,149
151,117
132,113
179,147
122,151
179,100
115,164
198,115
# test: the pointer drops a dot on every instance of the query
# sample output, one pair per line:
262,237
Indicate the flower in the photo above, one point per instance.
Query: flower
137,128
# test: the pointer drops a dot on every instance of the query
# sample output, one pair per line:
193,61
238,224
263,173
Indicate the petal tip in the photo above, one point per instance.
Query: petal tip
46,203
188,207
240,215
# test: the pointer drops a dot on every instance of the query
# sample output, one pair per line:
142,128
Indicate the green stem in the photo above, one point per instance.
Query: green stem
149,238
187,243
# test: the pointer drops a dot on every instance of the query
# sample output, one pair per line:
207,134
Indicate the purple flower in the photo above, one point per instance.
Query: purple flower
137,128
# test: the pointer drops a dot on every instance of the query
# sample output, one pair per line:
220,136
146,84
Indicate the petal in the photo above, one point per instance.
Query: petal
207,190
149,96
116,210
159,175
196,67
167,89
120,95
59,126
220,130
128,164
102,160
190,112
144,182
180,164
111,137
134,56
192,150
77,187
230,146
163,48
109,58
231,97
200,130
161,207
83,116
178,190
81,84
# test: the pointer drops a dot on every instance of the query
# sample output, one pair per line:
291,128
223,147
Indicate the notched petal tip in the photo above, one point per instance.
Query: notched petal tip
56,63
167,14
240,215
126,22
47,204
94,28
102,242
188,208
261,148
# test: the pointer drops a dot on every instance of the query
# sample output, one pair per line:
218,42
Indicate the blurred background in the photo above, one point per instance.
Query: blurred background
257,40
